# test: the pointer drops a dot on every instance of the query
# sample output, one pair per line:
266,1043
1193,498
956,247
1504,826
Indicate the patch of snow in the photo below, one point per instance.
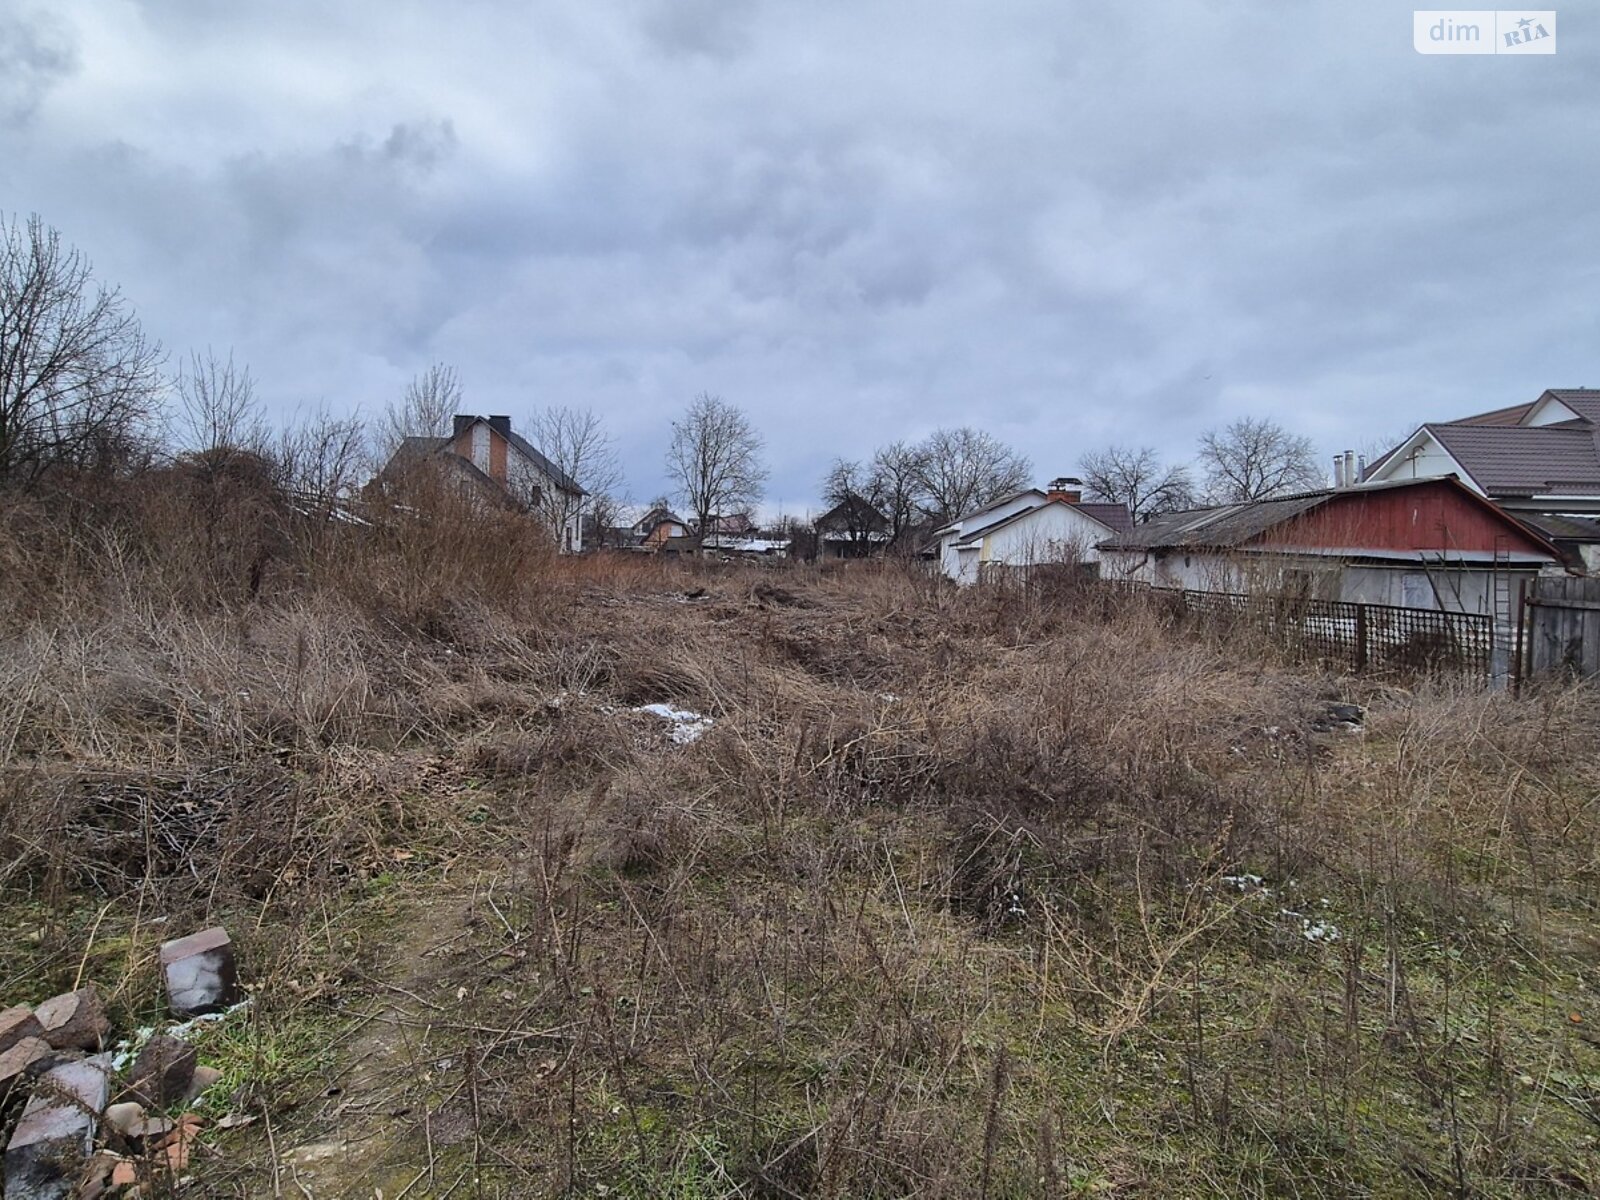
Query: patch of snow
888,697
1245,882
1311,929
686,724
182,1032
125,1051
744,545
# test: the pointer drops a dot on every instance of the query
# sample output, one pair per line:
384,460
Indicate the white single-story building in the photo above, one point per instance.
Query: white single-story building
1027,529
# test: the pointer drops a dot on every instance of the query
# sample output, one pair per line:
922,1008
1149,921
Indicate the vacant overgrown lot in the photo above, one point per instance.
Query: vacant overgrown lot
958,894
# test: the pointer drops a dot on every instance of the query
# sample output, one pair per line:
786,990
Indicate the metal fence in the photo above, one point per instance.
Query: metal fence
1358,637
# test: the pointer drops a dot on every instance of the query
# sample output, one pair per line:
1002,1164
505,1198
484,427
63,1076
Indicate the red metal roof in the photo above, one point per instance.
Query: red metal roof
1440,515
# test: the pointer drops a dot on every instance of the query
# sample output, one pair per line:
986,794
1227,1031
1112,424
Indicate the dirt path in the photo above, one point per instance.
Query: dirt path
389,1116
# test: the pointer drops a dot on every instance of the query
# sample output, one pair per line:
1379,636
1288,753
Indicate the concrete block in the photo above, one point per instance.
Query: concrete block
200,973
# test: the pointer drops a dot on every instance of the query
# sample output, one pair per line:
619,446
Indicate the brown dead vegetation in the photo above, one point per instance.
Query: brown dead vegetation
976,893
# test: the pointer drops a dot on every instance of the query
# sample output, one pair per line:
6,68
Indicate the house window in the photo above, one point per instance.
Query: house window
1310,583
1416,591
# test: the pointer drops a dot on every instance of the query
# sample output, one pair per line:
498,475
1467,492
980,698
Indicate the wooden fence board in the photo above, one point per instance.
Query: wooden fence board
1562,626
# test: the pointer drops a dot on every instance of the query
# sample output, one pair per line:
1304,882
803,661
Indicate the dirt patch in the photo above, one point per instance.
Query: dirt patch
381,1098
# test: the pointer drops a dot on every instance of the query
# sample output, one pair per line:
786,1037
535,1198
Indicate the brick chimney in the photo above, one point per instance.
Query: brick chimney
1066,489
502,424
461,424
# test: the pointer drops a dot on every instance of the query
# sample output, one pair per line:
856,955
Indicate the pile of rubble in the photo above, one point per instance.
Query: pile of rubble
84,1128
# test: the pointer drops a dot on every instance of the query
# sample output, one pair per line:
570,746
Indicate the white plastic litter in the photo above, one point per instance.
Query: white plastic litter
686,724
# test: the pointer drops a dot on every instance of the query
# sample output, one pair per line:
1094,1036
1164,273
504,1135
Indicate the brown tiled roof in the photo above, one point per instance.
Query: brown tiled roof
1510,458
413,449
1500,416
1114,516
1583,401
1523,460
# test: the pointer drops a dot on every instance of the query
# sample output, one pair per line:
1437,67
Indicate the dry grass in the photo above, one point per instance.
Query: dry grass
956,897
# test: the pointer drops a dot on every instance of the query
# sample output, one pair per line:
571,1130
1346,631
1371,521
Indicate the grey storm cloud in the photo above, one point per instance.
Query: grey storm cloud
36,52
860,221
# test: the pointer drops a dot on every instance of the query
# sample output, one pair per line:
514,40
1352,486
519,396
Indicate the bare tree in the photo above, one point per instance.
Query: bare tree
1253,459
605,511
319,455
894,484
965,468
844,479
1138,478
853,513
715,459
426,409
217,408
78,380
576,442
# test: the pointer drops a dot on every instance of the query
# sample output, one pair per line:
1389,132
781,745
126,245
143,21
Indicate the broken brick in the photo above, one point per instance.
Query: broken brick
17,1023
162,1073
74,1021
30,1057
56,1134
101,1175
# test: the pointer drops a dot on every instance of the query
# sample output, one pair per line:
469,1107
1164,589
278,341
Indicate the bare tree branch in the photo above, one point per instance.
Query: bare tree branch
1137,478
962,469
426,409
576,441
78,380
217,407
853,512
1253,459
894,484
319,455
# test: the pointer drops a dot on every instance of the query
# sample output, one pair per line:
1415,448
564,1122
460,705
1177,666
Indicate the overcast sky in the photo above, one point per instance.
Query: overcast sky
1069,224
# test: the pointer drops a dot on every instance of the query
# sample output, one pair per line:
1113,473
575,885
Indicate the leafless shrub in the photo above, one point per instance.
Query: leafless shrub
217,409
